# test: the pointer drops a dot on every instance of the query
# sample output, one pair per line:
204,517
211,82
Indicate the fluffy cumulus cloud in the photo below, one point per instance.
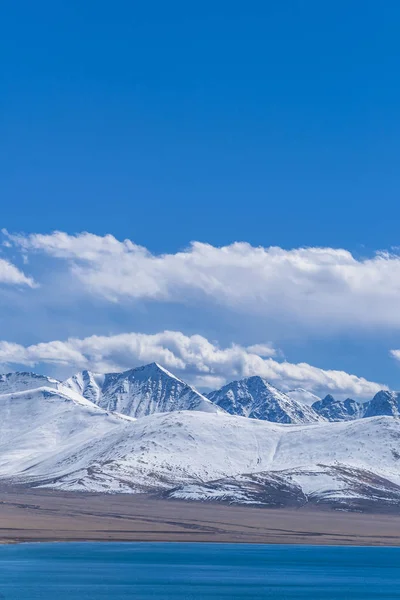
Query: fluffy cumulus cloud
11,275
195,358
316,287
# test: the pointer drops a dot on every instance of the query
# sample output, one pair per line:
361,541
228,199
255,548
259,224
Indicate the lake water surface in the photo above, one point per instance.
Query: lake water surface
166,571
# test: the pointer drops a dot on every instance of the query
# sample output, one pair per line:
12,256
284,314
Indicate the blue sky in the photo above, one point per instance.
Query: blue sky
275,124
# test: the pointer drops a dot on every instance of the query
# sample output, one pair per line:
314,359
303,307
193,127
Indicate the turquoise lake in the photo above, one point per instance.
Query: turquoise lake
95,571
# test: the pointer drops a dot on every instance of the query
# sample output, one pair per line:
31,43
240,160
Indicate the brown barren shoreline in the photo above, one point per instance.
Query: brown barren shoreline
31,515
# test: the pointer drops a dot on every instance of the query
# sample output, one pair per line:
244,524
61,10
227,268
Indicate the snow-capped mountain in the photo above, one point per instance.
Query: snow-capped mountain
58,436
51,438
255,398
383,403
303,396
339,410
140,392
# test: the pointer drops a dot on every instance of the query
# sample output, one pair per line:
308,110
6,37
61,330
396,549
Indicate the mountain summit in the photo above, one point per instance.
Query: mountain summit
383,403
338,410
140,392
254,397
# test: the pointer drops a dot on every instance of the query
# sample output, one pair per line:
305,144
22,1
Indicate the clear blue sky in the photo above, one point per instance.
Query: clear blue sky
271,122
274,123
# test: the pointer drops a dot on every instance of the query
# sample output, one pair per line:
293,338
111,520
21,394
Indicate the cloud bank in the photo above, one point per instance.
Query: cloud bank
195,358
313,287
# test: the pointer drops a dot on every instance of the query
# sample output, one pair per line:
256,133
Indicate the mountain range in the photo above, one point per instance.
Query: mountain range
145,430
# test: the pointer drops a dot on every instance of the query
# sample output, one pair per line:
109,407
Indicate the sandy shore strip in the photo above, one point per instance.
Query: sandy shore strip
43,515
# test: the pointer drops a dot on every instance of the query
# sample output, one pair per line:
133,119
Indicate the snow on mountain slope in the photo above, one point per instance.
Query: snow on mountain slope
87,384
303,396
339,410
336,486
254,397
20,381
365,444
345,485
383,403
140,392
262,488
38,425
353,465
161,452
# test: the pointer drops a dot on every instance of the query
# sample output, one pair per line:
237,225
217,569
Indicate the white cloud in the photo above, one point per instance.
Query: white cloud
314,287
193,357
261,349
11,275
395,354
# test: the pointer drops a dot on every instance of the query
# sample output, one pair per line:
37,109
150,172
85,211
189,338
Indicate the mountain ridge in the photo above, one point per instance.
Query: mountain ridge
114,392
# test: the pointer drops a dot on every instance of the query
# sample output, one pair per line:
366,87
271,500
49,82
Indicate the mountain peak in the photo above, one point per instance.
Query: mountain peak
384,403
258,379
141,391
328,399
333,409
256,398
156,365
147,369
